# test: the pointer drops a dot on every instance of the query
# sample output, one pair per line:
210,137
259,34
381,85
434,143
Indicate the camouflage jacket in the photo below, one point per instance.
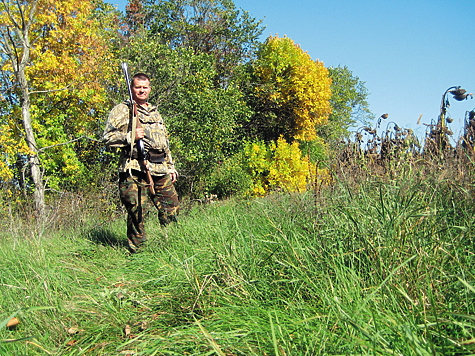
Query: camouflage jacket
117,133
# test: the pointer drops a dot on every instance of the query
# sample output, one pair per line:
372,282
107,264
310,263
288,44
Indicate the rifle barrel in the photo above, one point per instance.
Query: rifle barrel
141,150
126,75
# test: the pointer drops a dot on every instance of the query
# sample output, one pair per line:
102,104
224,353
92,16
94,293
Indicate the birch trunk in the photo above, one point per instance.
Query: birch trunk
17,48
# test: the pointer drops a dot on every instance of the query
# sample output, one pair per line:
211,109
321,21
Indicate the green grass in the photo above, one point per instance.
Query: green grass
381,268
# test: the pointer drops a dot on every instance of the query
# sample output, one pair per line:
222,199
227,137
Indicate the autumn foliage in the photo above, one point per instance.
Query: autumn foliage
227,98
69,59
292,98
293,90
277,166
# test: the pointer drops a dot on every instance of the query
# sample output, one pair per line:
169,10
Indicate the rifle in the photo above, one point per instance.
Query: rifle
140,146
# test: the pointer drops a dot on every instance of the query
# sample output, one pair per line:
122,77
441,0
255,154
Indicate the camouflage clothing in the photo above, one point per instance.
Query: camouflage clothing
134,197
118,134
132,190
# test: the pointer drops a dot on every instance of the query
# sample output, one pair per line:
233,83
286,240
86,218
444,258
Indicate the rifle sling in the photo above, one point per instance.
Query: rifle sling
132,143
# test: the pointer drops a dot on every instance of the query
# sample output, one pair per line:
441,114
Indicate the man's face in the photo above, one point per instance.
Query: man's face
140,91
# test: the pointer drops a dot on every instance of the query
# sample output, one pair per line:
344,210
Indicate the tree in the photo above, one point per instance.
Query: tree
204,121
213,27
278,165
15,26
193,52
292,92
54,56
349,104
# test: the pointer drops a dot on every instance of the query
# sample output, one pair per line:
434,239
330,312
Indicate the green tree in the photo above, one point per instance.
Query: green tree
213,27
349,104
204,121
206,126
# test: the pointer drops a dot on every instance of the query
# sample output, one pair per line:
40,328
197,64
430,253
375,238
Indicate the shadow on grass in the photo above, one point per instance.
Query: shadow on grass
105,237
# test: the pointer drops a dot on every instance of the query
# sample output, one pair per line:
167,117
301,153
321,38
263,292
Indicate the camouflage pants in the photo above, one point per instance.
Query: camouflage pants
134,198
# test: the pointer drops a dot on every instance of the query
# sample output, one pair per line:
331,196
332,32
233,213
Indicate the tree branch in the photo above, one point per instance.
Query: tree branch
67,143
51,90
10,16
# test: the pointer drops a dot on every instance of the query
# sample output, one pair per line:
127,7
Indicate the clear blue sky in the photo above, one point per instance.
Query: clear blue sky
408,52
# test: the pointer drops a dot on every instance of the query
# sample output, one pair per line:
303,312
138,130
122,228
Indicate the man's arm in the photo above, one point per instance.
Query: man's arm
115,133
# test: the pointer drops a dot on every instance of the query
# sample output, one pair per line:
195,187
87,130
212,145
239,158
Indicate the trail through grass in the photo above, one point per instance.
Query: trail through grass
382,268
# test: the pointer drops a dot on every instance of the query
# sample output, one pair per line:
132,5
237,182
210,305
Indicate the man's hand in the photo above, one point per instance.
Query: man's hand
173,177
139,133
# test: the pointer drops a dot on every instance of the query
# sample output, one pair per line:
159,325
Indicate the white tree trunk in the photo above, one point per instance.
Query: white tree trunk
14,47
33,159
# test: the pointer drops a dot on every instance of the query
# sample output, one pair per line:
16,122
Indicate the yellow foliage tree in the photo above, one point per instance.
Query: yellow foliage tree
257,161
292,99
293,91
71,60
55,56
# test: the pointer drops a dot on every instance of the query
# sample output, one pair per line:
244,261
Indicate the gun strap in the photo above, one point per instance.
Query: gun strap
132,140
132,143
134,128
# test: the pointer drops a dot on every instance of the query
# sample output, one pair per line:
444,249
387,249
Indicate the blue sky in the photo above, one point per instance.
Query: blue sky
408,52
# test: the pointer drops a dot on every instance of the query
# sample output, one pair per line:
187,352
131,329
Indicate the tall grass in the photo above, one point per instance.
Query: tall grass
383,267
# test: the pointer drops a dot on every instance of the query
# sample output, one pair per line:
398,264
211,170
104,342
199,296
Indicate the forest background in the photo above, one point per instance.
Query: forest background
244,117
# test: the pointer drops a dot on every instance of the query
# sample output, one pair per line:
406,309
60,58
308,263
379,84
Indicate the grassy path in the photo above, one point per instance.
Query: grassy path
383,268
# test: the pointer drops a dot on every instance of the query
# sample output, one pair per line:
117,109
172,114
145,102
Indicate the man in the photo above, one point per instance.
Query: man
133,187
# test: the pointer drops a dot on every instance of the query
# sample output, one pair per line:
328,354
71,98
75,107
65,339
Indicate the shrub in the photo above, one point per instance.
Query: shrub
229,178
277,166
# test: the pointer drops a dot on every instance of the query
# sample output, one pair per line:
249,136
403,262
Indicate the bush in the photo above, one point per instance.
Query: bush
228,178
277,166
